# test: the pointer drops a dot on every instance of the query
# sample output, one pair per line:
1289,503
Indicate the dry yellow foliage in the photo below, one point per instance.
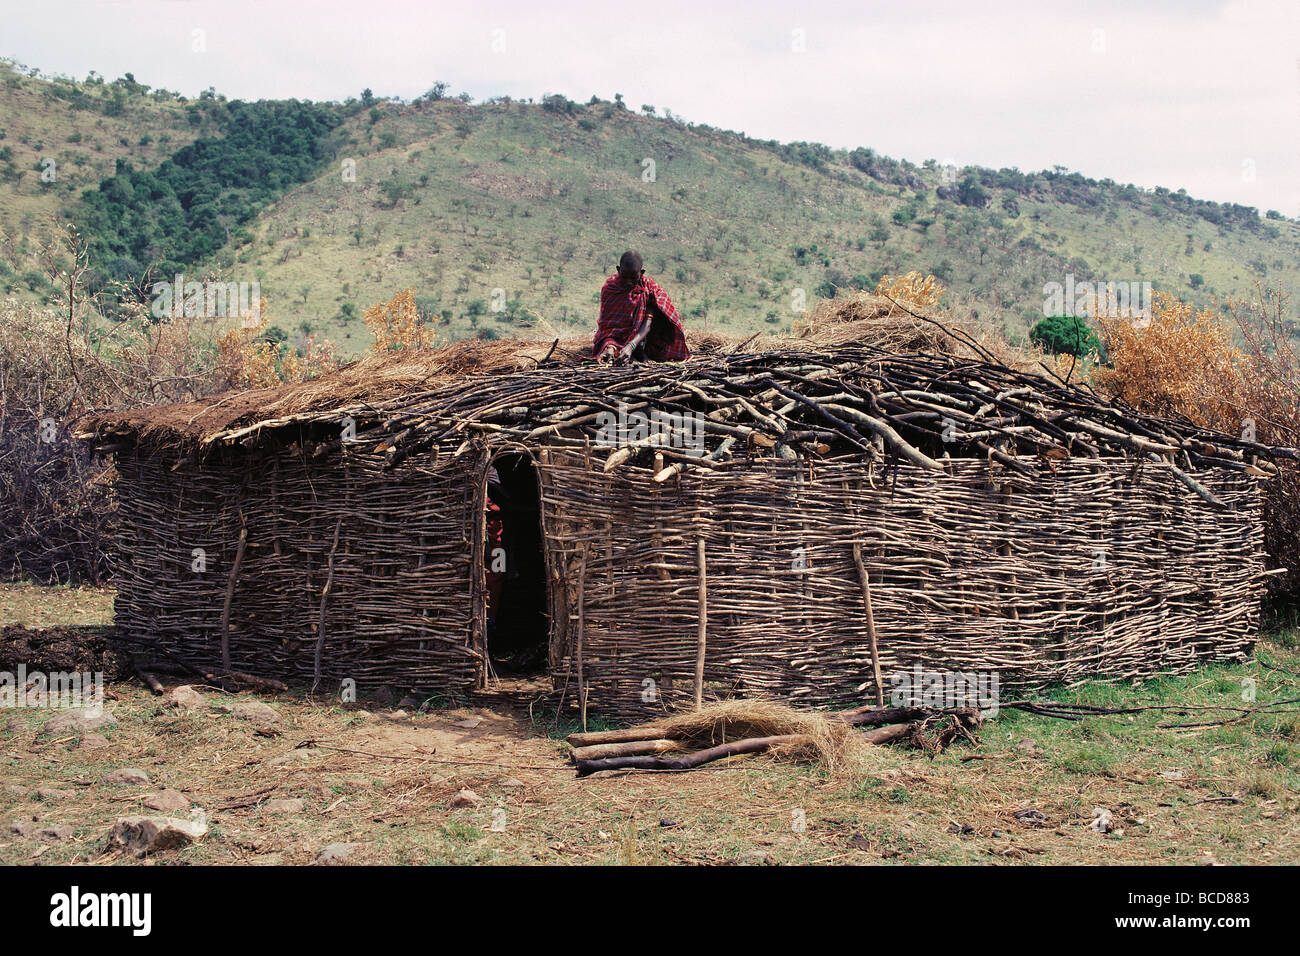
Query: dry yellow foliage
249,361
395,326
920,292
1180,361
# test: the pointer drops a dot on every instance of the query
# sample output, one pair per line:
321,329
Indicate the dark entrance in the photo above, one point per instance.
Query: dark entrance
518,628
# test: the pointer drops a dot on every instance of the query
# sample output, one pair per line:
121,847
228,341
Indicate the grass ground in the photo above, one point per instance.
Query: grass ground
387,781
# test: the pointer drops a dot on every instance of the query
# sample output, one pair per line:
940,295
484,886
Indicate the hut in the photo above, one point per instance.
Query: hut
797,523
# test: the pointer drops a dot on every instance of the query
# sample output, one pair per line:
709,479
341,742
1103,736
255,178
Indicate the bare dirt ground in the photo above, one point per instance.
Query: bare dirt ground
278,778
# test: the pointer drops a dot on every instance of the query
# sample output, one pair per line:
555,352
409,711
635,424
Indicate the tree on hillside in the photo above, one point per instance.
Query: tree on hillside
1065,335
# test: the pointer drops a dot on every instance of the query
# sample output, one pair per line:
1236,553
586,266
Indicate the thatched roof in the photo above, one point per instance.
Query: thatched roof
860,319
787,402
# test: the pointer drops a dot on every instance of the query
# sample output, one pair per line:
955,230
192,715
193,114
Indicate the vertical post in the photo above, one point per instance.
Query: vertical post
701,634
324,604
582,599
865,581
230,594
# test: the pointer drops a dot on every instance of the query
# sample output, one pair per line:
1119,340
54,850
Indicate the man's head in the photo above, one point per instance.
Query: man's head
630,267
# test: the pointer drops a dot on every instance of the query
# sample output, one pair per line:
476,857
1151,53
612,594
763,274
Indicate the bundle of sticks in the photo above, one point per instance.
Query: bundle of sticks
676,744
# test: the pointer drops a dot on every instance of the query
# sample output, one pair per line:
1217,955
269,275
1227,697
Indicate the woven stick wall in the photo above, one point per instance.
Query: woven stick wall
1004,521
397,608
1100,570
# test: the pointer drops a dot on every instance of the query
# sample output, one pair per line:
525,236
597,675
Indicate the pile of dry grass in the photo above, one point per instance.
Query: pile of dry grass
866,318
831,743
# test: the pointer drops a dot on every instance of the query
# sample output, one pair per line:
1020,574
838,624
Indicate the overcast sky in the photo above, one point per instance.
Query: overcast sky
1187,94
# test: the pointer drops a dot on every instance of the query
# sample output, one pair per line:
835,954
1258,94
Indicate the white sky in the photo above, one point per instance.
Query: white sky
1187,94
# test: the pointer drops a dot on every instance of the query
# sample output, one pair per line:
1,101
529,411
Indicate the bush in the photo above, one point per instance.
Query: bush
1065,335
1185,363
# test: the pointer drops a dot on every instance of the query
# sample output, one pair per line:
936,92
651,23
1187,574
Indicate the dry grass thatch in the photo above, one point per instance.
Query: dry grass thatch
857,319
834,745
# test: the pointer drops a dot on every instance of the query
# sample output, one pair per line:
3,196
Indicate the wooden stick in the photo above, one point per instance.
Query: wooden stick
633,748
324,600
230,597
865,583
887,734
690,761
153,683
582,596
700,638
643,732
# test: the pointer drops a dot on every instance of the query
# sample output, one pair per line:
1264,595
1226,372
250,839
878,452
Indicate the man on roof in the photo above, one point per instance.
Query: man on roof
637,319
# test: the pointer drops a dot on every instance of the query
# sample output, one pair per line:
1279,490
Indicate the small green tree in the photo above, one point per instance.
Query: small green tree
1065,335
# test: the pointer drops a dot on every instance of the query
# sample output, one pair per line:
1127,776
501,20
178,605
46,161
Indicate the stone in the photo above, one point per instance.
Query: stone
141,834
82,719
185,697
249,709
285,805
337,853
167,800
465,798
93,742
299,755
127,775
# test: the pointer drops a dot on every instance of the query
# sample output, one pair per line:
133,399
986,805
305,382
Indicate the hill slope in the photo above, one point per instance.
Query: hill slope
531,206
497,211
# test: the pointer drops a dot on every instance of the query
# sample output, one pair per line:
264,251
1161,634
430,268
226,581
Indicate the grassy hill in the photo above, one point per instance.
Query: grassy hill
493,212
85,128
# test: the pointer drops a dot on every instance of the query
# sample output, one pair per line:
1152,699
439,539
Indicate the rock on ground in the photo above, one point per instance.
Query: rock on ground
465,798
248,709
141,835
167,800
185,697
337,853
50,832
131,775
285,805
79,718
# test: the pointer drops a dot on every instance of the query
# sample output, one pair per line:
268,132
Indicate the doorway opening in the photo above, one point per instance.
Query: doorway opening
518,625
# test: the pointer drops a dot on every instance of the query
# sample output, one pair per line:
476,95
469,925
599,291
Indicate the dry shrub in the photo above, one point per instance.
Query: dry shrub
247,359
921,293
1180,362
57,510
396,326
56,501
1185,363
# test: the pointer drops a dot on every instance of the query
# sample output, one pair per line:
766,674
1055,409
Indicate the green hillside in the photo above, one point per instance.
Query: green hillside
495,211
85,128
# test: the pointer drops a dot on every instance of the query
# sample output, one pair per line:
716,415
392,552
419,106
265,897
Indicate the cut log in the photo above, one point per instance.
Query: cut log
643,732
692,760
633,748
